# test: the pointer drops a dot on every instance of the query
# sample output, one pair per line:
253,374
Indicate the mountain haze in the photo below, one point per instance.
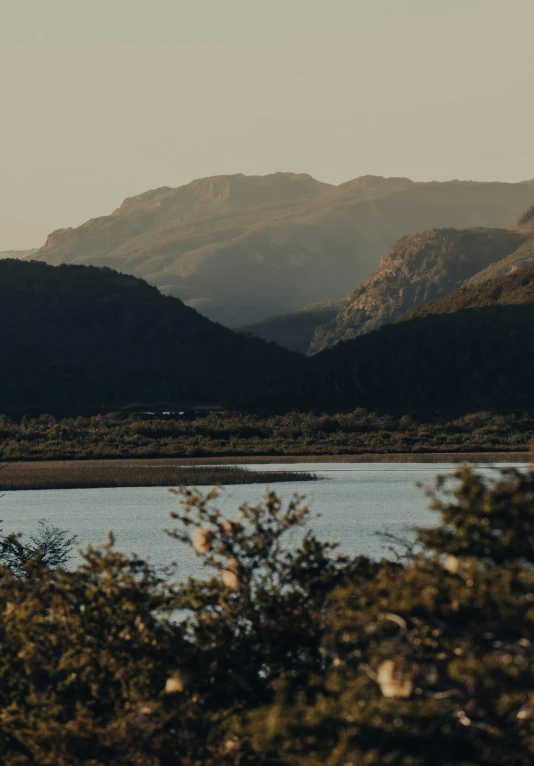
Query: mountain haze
17,253
295,331
245,248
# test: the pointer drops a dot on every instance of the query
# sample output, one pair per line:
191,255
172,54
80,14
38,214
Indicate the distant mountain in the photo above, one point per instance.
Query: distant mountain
296,330
469,351
424,267
17,253
78,338
245,248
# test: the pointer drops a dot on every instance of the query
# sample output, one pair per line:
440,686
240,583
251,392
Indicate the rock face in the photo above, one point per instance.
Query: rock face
416,270
245,248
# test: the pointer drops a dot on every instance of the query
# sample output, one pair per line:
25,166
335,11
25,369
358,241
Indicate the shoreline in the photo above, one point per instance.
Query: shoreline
207,471
370,457
366,457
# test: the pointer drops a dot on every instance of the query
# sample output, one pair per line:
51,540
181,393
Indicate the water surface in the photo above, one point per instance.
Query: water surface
355,502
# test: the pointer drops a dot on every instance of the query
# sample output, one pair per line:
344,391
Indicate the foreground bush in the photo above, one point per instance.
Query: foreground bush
287,653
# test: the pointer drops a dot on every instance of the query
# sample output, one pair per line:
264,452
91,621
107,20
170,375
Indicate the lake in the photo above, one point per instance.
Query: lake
356,501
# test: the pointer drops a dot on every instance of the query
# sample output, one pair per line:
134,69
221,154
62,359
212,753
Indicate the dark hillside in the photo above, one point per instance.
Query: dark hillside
17,253
448,363
75,338
470,350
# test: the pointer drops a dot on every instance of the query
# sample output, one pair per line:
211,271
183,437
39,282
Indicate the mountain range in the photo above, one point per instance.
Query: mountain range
242,249
417,269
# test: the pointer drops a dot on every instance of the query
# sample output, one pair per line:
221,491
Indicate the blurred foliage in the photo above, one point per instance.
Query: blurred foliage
48,547
286,652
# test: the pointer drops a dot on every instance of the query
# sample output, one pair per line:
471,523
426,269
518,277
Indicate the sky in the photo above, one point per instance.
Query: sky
105,99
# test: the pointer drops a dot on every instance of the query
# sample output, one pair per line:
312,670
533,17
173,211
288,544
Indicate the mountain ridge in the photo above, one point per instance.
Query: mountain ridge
245,248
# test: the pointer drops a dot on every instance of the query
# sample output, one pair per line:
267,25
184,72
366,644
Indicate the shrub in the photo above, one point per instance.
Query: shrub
286,652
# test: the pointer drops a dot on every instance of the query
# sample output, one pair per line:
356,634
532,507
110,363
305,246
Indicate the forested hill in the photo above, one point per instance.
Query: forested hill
470,351
77,338
244,248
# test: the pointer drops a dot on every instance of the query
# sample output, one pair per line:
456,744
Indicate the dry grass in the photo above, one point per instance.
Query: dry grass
174,472
410,457
84,474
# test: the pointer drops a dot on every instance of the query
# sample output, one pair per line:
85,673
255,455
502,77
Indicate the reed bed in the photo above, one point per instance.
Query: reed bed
392,457
86,474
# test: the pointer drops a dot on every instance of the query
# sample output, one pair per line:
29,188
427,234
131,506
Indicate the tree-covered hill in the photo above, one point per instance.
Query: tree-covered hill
475,359
17,253
78,337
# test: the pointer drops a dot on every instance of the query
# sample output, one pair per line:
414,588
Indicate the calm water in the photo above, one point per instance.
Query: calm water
355,502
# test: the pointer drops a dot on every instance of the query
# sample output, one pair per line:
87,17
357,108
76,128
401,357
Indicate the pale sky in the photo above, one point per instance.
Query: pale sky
103,99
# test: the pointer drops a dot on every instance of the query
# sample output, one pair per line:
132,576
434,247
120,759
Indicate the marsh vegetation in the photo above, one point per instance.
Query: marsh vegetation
75,474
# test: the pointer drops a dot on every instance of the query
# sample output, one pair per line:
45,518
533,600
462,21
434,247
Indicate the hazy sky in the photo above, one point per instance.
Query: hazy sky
103,99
